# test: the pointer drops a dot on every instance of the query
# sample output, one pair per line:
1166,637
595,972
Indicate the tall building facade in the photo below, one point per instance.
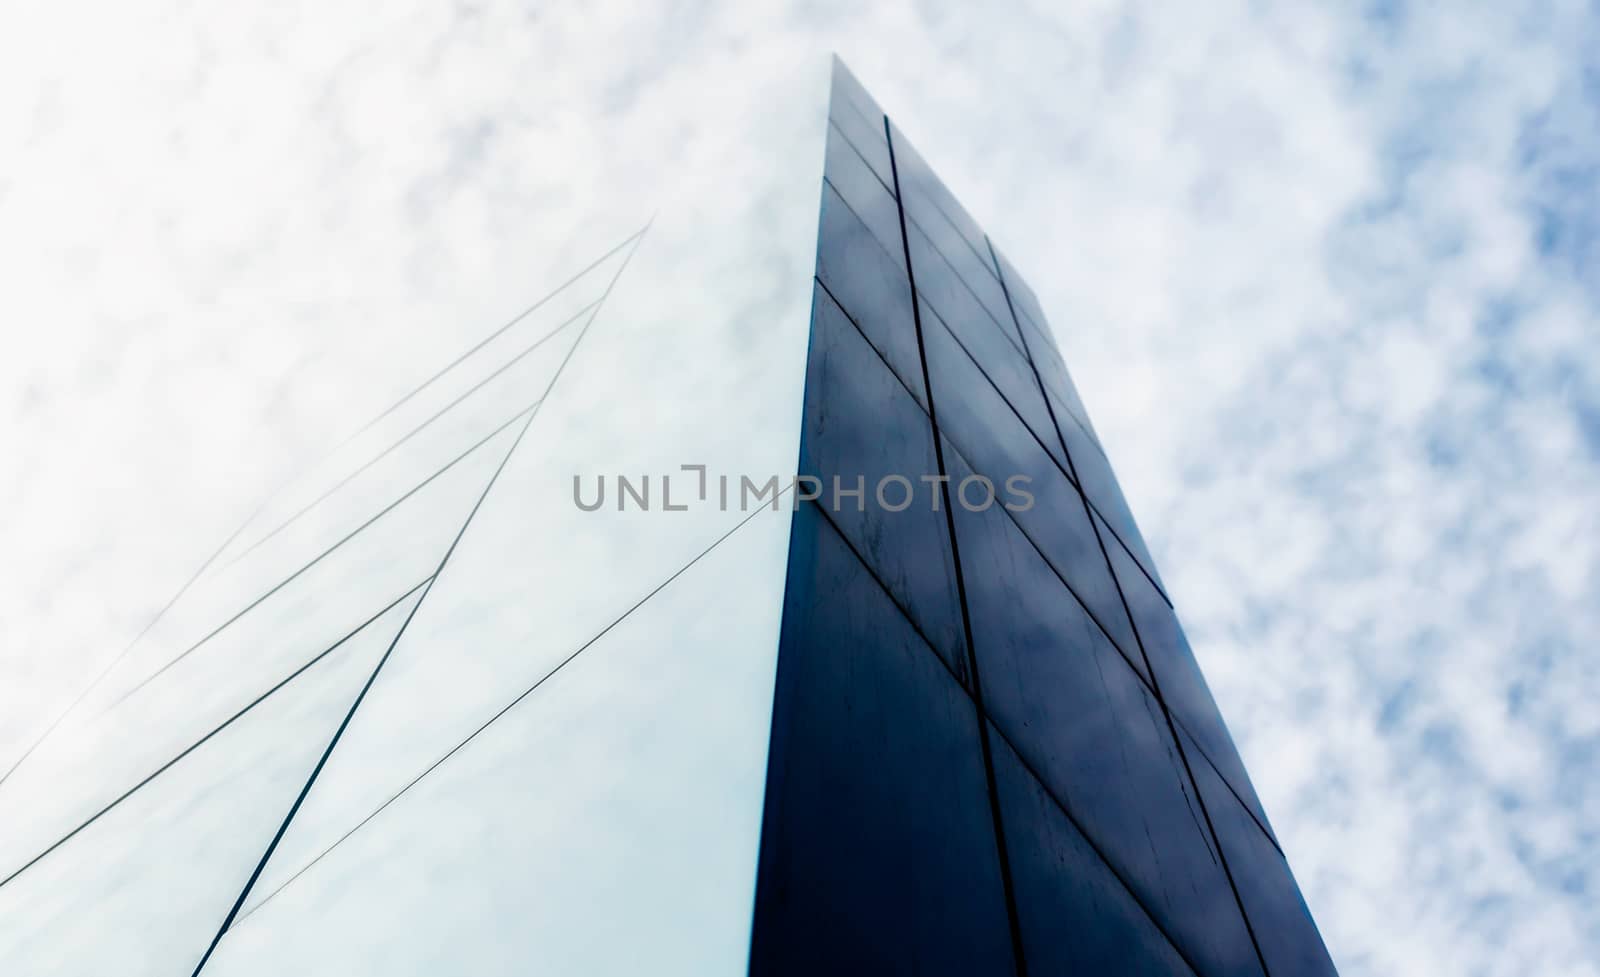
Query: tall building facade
562,664
992,750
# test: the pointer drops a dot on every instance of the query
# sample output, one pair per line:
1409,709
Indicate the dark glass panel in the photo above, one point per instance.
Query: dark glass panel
991,439
972,269
850,176
1093,471
1076,916
1067,412
870,285
861,424
1182,685
1023,300
1080,717
864,131
1283,925
1042,347
1006,370
878,851
944,287
1010,583
1054,374
917,178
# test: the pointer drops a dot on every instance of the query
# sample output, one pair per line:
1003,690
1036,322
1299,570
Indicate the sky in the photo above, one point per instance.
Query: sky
1325,276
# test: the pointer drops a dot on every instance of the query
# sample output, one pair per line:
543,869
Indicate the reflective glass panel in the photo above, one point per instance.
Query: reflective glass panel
864,432
878,847
1076,916
1283,925
870,284
992,442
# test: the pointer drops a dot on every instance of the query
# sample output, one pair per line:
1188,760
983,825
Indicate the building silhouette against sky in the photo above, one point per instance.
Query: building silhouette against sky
992,750
555,665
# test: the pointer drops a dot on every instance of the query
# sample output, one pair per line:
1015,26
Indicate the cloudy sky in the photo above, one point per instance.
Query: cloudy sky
1326,277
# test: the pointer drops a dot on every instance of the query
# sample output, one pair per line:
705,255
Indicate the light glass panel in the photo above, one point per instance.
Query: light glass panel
114,741
604,825
144,889
473,398
697,357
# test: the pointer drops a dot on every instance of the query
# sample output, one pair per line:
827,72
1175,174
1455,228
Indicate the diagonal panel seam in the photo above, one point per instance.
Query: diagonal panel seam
1127,654
396,445
1049,791
494,335
214,731
262,505
551,673
1155,681
443,562
321,556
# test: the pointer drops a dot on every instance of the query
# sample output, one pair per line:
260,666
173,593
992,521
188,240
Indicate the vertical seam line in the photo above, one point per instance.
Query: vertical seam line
1022,761
1012,920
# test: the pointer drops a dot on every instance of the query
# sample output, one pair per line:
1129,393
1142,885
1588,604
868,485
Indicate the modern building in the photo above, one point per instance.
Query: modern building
992,750
562,664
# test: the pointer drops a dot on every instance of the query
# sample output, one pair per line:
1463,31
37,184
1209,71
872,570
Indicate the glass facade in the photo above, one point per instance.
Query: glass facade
992,750
425,714
555,666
